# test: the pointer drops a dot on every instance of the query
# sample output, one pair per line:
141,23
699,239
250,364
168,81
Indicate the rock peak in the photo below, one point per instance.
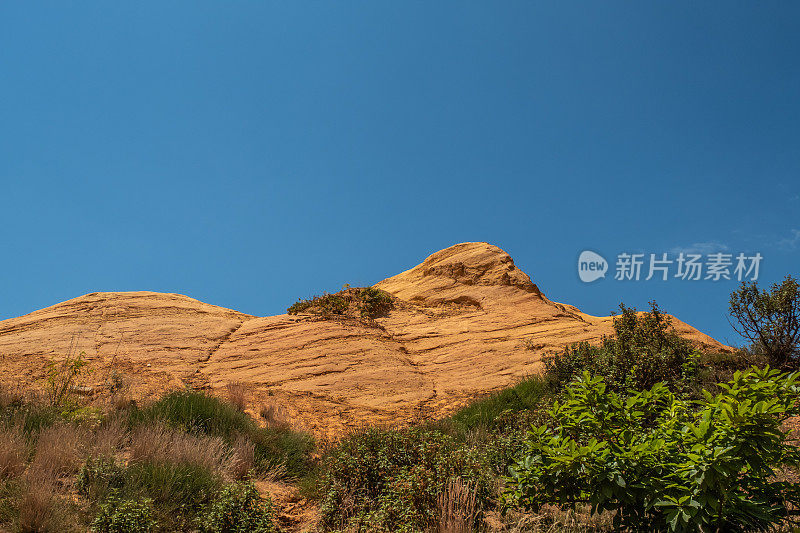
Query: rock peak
464,265
477,263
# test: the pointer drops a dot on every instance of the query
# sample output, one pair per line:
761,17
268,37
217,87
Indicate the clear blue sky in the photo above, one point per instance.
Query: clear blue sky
248,153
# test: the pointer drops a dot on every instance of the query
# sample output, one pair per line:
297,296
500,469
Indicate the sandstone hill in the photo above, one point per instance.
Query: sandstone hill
466,321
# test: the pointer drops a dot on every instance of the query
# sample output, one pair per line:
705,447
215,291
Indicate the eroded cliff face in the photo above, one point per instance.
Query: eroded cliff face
464,323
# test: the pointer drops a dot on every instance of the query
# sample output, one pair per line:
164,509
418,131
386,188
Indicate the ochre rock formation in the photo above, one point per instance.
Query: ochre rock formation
466,321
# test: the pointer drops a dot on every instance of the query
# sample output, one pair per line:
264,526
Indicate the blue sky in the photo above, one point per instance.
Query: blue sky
249,153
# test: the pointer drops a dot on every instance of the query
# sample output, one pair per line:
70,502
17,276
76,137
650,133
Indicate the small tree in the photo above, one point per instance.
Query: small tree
644,350
770,319
62,376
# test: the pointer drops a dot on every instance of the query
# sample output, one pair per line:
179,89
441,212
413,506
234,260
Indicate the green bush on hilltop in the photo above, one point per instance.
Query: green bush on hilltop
365,302
373,302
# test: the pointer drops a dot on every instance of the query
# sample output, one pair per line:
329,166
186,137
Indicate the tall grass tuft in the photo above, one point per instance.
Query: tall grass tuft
457,508
200,413
237,395
161,443
59,450
42,509
13,451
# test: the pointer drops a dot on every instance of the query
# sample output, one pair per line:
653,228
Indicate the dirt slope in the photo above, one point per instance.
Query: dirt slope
459,329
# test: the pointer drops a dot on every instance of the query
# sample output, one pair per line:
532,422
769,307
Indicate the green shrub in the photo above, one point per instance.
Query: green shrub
373,302
195,411
124,516
200,413
238,508
326,305
643,351
100,475
299,306
662,465
365,302
387,480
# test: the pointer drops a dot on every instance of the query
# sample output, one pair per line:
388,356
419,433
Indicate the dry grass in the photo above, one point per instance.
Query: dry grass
13,451
12,396
160,443
457,508
237,395
60,450
110,438
274,415
273,473
243,458
553,519
38,510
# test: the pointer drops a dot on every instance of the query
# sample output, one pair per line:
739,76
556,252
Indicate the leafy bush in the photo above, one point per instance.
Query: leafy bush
386,480
770,320
643,351
124,516
373,302
200,413
662,465
238,508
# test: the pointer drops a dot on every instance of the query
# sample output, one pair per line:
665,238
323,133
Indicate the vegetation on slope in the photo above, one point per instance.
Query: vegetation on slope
364,303
197,413
184,463
639,433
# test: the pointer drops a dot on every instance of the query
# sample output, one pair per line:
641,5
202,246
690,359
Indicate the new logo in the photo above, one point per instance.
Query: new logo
591,266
